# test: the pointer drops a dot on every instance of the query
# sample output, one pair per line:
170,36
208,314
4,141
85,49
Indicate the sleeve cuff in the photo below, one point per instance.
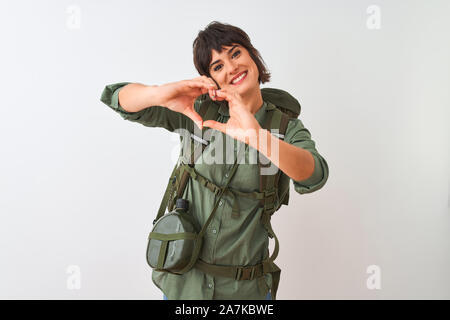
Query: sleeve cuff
316,180
110,97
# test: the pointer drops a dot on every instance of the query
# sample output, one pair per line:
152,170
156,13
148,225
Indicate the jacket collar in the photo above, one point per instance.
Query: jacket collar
259,115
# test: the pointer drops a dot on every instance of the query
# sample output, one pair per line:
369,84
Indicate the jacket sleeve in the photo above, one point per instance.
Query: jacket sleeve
154,116
298,135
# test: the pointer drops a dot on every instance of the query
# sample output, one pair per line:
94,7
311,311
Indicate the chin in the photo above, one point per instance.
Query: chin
247,88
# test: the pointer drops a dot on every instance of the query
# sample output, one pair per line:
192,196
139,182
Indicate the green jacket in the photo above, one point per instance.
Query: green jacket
229,240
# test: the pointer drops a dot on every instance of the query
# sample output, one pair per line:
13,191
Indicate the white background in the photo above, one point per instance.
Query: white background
80,186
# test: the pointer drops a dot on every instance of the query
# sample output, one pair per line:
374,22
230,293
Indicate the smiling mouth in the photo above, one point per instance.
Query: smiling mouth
241,77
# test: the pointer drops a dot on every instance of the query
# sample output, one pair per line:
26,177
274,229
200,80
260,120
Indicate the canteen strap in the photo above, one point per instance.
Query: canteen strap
199,239
165,238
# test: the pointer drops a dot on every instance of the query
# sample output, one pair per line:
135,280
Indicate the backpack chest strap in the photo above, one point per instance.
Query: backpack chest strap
268,198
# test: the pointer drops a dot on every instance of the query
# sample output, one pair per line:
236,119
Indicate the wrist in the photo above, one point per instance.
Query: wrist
262,140
155,95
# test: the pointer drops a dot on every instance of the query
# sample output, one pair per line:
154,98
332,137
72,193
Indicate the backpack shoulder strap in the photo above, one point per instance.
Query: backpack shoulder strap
268,184
283,100
275,120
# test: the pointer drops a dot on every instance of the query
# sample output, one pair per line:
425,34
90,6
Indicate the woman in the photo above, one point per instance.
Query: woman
231,71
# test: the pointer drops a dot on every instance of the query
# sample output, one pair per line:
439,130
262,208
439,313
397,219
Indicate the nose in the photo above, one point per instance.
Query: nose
232,68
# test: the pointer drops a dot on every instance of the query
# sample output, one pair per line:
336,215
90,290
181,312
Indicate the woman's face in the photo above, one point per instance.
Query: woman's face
233,62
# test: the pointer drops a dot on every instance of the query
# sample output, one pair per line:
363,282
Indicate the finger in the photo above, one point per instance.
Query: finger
210,84
209,81
212,94
233,97
215,125
194,116
224,95
199,84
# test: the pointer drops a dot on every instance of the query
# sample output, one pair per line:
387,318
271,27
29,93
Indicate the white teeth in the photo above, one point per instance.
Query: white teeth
240,77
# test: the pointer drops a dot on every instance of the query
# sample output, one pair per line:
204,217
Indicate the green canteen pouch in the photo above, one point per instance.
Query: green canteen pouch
172,239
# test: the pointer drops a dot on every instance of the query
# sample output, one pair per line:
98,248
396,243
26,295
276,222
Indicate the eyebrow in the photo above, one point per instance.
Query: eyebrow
217,61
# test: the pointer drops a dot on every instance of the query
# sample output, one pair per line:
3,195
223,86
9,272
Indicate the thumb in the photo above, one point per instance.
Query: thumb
194,116
214,125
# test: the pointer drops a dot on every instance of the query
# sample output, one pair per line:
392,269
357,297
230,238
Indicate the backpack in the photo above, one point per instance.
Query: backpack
273,190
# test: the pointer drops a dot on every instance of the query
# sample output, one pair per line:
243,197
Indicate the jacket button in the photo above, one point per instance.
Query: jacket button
214,231
226,175
220,202
210,285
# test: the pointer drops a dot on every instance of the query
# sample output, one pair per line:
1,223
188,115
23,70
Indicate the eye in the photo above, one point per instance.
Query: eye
237,51
235,54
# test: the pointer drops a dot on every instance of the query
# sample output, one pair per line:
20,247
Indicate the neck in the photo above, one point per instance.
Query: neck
253,100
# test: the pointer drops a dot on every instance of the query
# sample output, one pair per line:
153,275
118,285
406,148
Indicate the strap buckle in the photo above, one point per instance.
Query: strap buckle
245,273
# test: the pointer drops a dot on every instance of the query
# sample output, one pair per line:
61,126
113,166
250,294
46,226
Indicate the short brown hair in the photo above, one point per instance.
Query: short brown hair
217,35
